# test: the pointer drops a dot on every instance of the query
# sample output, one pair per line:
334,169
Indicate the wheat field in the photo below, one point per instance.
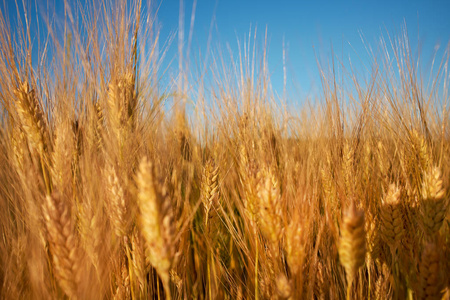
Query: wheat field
115,186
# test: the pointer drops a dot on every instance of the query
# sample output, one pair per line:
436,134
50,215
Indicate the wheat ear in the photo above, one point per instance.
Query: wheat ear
98,125
347,167
420,148
210,189
62,158
31,117
121,102
269,205
430,274
34,125
118,205
138,258
434,203
392,227
284,289
156,221
247,169
295,244
123,290
63,245
352,246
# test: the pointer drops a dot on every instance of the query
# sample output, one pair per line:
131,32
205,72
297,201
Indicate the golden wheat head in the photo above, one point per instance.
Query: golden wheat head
434,205
269,205
391,226
156,221
352,246
63,244
430,274
210,189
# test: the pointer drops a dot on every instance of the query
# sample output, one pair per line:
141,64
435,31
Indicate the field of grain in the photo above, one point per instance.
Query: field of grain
113,186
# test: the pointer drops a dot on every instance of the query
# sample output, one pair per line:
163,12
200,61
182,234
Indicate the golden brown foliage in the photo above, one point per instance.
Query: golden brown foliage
114,185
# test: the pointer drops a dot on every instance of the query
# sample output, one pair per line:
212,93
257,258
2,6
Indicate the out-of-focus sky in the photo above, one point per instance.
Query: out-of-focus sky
309,29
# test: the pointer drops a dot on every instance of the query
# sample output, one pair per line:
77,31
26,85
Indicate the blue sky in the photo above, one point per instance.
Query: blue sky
309,29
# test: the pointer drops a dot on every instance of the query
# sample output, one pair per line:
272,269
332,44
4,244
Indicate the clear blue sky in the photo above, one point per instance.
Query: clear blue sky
309,28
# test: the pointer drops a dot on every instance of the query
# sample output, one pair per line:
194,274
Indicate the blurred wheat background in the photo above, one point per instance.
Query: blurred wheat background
108,192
